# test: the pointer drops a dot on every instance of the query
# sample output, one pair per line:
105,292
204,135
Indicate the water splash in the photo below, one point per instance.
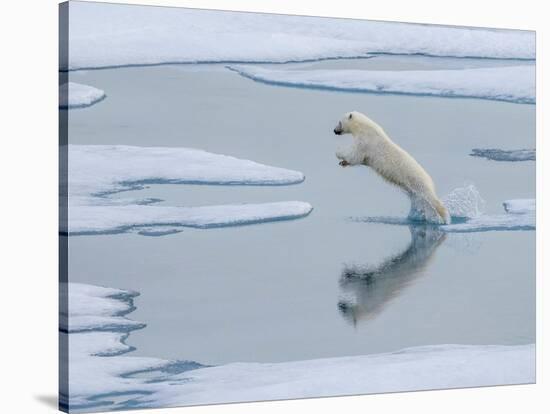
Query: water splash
464,202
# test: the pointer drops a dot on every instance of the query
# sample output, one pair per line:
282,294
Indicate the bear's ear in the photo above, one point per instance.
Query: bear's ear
350,115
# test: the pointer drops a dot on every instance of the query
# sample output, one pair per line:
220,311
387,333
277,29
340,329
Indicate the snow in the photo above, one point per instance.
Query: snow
103,377
97,171
520,206
102,169
420,368
505,155
511,83
94,307
115,219
75,95
94,373
110,35
92,336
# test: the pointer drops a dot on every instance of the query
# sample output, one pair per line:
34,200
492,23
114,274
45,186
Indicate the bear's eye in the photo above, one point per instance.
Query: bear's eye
350,115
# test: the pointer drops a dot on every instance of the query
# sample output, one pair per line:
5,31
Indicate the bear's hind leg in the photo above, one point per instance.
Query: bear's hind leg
428,209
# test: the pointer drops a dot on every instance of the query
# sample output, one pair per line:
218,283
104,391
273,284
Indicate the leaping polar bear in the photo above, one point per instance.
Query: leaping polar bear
372,147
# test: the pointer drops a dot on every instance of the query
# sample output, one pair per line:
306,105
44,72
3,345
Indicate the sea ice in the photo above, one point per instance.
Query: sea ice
412,369
520,215
75,95
101,376
96,171
504,155
118,219
110,35
103,169
510,83
94,308
520,206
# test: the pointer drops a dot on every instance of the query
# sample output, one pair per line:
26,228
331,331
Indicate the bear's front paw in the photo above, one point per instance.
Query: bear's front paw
343,163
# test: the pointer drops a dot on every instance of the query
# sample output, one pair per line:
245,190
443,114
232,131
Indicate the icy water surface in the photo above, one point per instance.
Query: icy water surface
328,284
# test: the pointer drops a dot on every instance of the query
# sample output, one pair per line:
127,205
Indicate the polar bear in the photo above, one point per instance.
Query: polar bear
373,148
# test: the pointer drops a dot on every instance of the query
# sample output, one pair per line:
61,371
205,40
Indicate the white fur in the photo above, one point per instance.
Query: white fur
373,148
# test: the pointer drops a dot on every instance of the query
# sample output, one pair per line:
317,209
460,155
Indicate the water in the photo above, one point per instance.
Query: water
282,291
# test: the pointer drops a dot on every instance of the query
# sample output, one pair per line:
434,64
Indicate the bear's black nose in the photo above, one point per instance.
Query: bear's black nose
337,131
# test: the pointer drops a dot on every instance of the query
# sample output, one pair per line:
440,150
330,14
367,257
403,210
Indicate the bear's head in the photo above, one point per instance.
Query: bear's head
348,122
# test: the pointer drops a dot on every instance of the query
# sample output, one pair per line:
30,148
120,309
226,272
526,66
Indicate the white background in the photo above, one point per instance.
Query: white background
28,150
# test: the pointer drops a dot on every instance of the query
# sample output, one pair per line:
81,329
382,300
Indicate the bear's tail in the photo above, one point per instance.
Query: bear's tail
442,211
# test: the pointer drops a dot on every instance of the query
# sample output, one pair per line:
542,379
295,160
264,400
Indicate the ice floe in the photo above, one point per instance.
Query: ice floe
505,155
117,219
465,207
510,83
96,308
419,368
95,343
520,206
497,222
110,35
75,95
103,377
519,214
97,171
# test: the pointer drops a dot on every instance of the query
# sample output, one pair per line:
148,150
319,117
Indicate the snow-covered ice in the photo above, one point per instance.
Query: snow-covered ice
520,206
103,377
107,35
96,308
75,95
96,171
116,219
102,169
510,83
95,343
419,368
505,155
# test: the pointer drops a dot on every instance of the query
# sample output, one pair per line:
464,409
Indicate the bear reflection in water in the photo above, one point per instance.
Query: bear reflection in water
369,289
